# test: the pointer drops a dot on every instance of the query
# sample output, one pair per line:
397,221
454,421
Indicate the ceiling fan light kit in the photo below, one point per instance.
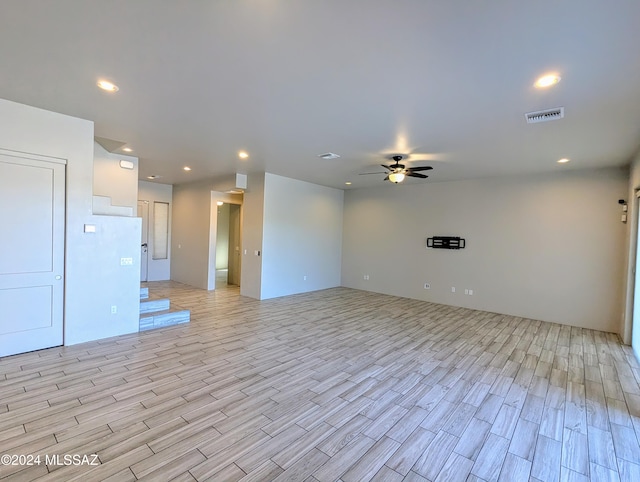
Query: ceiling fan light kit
396,177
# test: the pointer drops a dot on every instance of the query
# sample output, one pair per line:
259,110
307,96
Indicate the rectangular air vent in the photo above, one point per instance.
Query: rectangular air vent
328,155
544,115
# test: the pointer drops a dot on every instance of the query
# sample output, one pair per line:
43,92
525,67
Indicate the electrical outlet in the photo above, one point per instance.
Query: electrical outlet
114,309
365,277
453,289
126,261
427,286
470,292
304,278
466,291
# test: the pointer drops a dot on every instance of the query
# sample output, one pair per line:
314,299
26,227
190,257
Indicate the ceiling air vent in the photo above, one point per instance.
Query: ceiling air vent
544,115
328,155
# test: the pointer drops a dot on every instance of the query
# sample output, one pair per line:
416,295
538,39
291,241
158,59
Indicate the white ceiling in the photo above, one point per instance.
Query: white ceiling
287,80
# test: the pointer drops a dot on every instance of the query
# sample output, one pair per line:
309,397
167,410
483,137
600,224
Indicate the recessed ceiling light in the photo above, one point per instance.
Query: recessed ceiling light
348,183
127,149
186,168
154,177
108,86
563,161
547,81
243,155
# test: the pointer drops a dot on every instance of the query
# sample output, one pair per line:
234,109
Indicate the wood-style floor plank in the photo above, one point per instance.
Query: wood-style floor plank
335,385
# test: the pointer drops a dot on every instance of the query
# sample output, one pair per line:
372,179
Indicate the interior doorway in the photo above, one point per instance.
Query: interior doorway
233,277
228,244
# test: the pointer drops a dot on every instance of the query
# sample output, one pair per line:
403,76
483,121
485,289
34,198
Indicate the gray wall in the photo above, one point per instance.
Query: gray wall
548,247
190,234
302,237
157,269
94,279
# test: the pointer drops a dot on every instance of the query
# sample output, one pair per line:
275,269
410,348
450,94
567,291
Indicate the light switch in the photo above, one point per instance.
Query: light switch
89,228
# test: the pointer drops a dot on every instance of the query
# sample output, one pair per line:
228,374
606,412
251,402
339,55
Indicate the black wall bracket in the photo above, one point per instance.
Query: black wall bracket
446,242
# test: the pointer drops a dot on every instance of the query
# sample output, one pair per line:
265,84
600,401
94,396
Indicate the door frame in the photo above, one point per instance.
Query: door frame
144,252
213,232
631,319
237,254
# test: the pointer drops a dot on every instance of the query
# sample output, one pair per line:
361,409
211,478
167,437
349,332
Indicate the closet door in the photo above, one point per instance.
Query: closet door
32,209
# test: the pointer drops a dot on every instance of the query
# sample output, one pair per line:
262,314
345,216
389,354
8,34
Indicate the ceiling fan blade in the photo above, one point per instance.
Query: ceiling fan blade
386,178
387,167
366,173
423,168
415,174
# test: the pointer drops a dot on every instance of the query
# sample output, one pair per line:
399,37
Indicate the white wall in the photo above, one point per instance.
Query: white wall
547,247
302,237
111,180
94,279
157,269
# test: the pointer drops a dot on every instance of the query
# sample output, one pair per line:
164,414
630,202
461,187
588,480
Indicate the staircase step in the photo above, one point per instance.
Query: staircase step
144,293
150,306
164,318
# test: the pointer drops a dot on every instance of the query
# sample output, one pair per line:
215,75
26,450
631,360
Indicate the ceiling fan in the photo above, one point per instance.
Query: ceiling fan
397,172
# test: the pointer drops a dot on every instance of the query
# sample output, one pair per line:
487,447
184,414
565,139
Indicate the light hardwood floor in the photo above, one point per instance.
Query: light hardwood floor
332,385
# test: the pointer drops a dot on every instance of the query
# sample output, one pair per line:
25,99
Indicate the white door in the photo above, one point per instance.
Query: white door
143,212
32,204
